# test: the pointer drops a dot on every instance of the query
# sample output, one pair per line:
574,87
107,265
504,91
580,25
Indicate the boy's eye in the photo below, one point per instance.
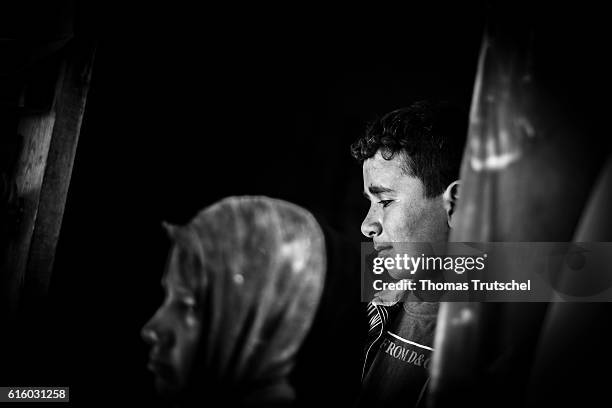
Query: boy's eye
385,202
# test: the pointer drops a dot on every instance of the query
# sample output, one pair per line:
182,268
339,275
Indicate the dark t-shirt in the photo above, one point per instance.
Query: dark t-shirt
399,372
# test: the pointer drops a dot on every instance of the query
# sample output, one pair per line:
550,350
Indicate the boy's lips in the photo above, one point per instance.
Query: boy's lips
381,248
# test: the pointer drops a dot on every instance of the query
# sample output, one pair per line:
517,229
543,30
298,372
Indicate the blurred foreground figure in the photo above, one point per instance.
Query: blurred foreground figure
531,162
243,282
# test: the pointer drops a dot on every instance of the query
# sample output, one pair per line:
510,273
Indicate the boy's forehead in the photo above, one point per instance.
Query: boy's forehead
381,175
378,170
387,162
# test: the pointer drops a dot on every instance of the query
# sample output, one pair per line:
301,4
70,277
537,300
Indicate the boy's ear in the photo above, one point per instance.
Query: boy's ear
450,198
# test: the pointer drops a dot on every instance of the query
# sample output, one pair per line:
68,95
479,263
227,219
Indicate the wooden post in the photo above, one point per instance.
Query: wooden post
43,178
36,130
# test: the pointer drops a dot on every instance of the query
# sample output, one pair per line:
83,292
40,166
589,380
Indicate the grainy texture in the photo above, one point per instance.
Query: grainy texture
36,130
42,178
69,106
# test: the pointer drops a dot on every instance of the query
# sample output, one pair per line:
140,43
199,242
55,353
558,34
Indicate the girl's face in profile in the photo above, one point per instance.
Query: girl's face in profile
174,331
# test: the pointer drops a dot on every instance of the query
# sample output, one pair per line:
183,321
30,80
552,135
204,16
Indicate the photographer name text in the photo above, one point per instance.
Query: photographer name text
476,285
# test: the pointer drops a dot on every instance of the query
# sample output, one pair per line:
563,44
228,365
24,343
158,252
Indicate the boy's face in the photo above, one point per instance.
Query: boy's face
399,210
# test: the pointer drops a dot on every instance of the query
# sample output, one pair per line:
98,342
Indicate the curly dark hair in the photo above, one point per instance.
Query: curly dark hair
430,134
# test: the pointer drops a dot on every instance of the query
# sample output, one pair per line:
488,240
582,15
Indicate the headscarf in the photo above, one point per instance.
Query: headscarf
258,271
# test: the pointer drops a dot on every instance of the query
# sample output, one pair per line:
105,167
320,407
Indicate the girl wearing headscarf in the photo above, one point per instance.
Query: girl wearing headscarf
243,282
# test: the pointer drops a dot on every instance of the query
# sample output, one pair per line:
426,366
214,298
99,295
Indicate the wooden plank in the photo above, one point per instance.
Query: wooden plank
36,130
69,109
43,175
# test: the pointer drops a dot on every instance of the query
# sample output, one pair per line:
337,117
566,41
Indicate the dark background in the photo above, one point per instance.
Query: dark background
189,105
